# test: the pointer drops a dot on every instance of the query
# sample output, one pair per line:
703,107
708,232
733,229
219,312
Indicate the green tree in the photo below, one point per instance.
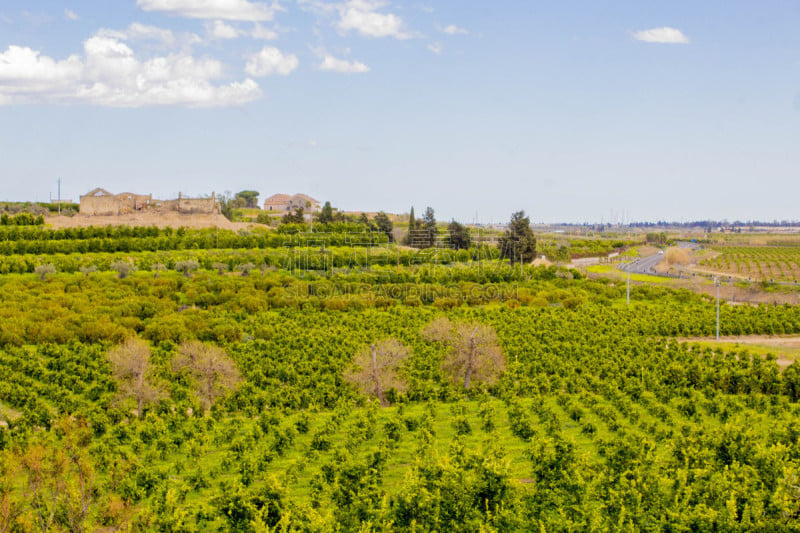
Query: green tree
518,244
412,226
325,216
364,219
248,199
459,236
298,217
384,225
427,239
226,206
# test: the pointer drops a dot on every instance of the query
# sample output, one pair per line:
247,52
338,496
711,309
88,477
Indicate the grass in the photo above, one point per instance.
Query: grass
611,271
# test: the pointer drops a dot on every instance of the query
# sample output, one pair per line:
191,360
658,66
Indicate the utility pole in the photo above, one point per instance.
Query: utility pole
59,196
628,291
717,283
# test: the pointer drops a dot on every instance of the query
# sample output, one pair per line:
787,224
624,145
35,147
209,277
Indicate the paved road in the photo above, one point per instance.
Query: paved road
645,265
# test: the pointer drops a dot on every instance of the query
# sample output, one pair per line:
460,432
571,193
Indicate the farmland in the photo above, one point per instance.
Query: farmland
605,418
757,263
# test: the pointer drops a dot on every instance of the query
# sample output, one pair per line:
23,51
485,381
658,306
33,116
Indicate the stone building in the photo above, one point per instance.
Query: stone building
283,203
101,202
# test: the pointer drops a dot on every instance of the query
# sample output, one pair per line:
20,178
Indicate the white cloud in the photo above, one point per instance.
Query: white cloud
70,15
110,74
452,29
362,16
213,9
662,35
143,32
264,34
342,66
270,61
23,70
435,47
220,30
138,31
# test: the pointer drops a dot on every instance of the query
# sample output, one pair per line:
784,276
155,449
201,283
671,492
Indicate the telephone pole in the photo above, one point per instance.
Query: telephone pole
59,196
717,283
628,291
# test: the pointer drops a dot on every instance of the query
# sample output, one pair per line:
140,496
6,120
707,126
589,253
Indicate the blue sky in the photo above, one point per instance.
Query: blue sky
573,111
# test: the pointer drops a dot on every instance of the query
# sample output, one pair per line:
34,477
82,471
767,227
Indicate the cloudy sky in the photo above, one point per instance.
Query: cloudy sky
573,111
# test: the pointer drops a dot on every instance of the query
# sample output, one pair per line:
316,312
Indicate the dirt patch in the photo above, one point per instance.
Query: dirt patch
161,220
785,347
751,294
8,414
789,341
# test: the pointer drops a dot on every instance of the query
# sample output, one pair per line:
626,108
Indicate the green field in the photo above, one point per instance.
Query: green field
602,418
757,263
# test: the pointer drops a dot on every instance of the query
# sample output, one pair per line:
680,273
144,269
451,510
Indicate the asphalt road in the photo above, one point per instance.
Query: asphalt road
645,265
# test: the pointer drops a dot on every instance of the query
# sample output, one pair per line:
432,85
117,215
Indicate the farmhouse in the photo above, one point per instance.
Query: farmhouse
101,202
283,202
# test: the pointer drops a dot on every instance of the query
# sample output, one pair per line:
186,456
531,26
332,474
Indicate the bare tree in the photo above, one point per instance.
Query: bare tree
54,486
245,268
44,270
213,371
123,268
473,351
376,368
130,363
11,506
187,267
157,267
86,270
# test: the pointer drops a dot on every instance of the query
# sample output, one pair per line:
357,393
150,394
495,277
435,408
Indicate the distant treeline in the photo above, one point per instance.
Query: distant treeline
706,224
716,224
38,208
22,219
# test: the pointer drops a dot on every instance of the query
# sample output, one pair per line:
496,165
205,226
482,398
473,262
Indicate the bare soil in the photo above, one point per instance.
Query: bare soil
161,220
786,347
788,341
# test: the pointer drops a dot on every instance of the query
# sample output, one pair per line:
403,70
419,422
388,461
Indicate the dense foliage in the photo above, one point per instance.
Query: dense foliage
601,421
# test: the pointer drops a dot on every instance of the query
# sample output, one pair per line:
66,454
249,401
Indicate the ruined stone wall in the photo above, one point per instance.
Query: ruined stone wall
99,205
127,203
198,205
